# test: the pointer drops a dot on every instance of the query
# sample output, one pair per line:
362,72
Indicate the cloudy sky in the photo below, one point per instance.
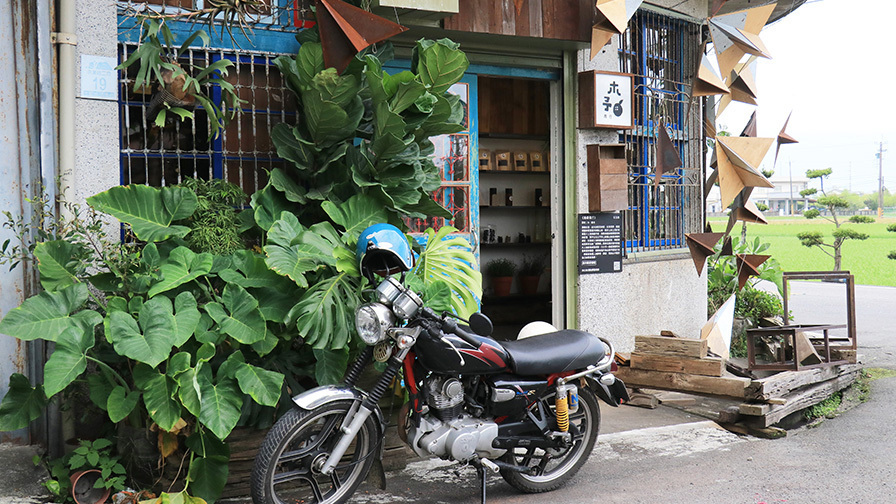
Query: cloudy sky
834,66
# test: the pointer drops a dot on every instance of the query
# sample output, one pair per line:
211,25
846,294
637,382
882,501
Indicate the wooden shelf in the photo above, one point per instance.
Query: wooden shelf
515,207
513,245
513,172
514,136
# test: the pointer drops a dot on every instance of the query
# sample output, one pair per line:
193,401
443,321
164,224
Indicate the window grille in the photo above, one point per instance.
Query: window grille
242,154
662,53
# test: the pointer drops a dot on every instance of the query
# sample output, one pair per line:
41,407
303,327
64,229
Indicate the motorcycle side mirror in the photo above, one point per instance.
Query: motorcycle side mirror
481,324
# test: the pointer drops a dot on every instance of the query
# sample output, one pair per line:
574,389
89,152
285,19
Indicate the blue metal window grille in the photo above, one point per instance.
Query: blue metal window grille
242,154
662,53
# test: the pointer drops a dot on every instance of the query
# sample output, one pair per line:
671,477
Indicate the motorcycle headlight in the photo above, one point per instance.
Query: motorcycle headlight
371,321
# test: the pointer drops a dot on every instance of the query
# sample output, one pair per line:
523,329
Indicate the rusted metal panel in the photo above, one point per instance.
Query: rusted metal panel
555,19
20,142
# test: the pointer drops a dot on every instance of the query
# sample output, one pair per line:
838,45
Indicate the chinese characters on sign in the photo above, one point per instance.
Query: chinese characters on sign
613,100
600,243
99,78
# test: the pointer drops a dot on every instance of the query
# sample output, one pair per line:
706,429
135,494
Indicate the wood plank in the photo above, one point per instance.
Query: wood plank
754,409
781,384
804,398
749,430
547,17
705,366
508,17
480,20
728,386
535,18
523,26
684,347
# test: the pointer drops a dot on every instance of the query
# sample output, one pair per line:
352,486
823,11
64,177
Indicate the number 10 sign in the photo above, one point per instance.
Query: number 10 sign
605,100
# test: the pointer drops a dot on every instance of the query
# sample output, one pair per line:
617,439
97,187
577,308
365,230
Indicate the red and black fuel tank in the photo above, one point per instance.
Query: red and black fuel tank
439,357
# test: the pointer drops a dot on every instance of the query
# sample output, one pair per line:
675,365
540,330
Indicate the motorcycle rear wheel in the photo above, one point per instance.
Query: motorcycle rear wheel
286,467
553,470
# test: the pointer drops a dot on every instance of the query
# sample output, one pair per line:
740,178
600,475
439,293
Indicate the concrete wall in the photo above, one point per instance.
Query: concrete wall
655,291
96,130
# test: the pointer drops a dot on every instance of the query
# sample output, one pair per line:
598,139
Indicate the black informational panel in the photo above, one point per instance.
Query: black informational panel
600,243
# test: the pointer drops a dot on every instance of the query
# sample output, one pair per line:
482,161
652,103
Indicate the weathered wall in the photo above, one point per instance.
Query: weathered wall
654,292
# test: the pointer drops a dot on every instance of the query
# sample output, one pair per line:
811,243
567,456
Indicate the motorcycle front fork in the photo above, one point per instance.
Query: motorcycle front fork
359,413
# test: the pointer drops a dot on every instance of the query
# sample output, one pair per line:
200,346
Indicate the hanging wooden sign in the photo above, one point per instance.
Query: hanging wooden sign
606,100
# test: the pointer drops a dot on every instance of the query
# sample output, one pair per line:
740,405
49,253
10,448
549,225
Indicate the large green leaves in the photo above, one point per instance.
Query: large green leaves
58,263
47,315
69,359
22,403
149,210
182,266
186,318
221,403
330,366
294,251
159,396
262,385
449,259
439,63
148,340
121,403
239,316
324,316
355,215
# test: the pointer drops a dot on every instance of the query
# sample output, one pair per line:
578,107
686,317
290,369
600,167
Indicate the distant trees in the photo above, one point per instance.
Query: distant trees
832,203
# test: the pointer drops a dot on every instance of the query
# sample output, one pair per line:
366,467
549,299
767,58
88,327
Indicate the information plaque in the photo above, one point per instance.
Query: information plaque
600,243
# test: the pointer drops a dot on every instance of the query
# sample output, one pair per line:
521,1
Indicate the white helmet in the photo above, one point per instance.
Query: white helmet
535,329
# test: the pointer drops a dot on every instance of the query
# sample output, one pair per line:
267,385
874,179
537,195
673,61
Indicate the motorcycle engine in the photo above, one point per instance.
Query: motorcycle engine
446,431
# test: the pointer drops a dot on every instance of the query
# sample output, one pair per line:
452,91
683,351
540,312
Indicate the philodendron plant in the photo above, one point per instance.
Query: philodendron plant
195,343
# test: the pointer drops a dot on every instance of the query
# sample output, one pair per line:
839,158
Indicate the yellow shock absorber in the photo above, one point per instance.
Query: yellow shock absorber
562,411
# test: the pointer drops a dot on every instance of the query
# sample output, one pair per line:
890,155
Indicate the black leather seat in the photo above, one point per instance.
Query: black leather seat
555,352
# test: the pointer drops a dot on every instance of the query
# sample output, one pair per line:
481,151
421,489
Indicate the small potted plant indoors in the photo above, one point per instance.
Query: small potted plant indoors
501,272
530,273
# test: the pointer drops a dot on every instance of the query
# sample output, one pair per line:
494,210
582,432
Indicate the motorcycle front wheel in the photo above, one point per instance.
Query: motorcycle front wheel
287,467
551,468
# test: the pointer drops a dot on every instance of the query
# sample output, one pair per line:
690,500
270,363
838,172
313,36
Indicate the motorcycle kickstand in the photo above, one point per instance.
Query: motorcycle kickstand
481,470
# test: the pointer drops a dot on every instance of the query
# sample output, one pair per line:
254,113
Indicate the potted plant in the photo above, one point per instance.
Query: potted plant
530,273
501,272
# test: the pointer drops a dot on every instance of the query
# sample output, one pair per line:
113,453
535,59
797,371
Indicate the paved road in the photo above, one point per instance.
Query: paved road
849,459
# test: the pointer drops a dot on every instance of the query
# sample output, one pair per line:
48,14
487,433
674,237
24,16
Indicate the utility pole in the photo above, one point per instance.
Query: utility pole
791,202
880,181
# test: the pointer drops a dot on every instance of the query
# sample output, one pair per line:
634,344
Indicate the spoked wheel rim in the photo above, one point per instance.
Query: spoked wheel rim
296,474
549,464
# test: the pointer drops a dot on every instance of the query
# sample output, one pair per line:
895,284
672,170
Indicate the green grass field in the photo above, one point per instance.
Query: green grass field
866,259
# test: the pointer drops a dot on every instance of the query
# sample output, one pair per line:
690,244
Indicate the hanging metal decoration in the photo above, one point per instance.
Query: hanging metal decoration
784,138
701,246
346,29
737,34
612,19
667,157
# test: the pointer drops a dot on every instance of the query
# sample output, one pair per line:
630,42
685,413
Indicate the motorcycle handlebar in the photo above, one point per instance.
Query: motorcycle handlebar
449,325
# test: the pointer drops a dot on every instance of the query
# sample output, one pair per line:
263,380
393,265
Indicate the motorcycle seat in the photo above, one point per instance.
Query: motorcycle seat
555,352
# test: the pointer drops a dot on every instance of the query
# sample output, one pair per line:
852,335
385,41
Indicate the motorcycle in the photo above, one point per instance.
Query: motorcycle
526,409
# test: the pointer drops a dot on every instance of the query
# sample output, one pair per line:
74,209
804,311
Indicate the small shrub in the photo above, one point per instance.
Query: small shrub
533,265
754,305
502,267
825,409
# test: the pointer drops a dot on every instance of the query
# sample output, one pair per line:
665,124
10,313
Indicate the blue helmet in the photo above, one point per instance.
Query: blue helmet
384,250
